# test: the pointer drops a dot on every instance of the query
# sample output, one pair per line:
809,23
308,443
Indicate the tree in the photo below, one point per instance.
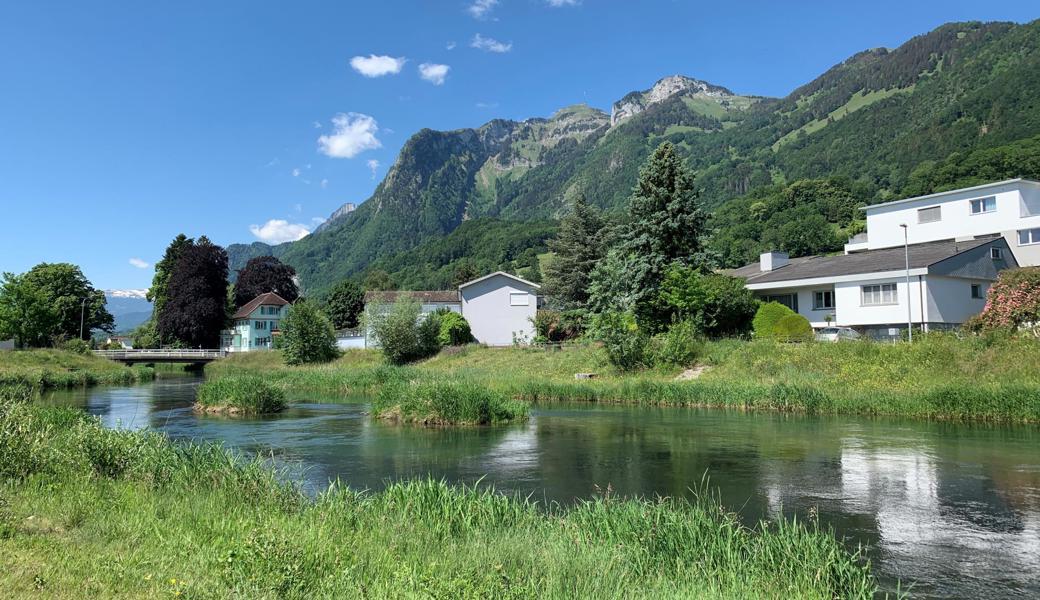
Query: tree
464,271
26,312
576,249
378,280
667,228
403,334
66,288
158,293
264,274
344,304
454,329
718,305
194,311
767,316
307,336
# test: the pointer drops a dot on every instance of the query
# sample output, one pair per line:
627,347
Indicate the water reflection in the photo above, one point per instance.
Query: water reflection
955,509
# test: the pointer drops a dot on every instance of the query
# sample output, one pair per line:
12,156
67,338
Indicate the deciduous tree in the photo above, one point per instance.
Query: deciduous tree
264,274
194,311
26,313
344,304
307,335
73,298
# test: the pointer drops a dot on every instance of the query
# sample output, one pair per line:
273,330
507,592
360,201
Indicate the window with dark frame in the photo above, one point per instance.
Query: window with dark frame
823,300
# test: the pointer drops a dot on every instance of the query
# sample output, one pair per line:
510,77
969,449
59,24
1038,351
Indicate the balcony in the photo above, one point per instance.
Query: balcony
857,243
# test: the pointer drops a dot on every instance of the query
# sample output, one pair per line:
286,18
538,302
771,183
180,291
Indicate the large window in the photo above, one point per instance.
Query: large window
823,300
1029,236
983,205
929,215
519,299
788,300
884,293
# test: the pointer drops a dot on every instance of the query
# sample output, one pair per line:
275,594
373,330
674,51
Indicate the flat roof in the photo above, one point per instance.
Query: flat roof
948,192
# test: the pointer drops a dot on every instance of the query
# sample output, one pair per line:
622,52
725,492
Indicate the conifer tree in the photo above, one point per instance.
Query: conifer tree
577,248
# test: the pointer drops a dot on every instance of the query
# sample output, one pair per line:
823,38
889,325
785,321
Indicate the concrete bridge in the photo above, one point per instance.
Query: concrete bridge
150,356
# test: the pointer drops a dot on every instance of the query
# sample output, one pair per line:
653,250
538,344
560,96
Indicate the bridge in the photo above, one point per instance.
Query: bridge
151,356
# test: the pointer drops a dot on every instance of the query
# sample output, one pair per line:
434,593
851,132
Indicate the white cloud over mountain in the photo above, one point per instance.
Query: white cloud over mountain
277,231
353,133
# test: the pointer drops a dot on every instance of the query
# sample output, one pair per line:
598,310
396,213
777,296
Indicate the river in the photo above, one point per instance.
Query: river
952,510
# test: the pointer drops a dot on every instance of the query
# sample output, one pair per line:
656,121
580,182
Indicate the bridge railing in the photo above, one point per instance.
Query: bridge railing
187,355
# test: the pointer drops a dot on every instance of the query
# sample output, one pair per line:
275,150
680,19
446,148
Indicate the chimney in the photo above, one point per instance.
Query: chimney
770,261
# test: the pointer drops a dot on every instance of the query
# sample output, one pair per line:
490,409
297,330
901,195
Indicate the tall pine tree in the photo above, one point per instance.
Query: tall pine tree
577,248
667,228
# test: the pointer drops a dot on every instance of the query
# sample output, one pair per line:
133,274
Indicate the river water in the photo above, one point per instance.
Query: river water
951,510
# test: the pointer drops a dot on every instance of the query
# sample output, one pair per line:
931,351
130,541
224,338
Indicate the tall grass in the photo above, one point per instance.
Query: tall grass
246,394
41,369
446,403
104,513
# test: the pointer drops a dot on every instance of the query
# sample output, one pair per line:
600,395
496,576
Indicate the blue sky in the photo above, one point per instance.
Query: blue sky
123,124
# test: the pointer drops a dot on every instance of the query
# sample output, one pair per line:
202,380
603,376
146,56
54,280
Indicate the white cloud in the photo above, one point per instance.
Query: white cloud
487,104
433,72
353,133
137,262
377,66
373,165
490,44
480,8
559,3
450,46
317,125
324,183
277,231
296,172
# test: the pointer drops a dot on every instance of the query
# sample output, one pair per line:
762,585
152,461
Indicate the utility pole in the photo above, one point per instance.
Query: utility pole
909,312
82,312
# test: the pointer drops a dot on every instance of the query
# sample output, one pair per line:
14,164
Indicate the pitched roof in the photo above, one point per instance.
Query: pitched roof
421,296
868,261
504,274
268,299
948,192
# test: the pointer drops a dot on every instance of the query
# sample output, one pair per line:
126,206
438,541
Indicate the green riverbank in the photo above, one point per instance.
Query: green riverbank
88,511
49,369
938,377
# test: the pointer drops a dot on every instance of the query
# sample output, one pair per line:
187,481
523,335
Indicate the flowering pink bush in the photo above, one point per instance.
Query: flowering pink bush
1013,301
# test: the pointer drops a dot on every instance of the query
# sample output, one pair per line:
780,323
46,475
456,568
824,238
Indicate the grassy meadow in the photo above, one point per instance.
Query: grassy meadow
91,512
938,376
46,368
240,394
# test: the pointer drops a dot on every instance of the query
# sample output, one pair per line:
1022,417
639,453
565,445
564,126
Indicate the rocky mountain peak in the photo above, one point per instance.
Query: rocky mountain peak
636,102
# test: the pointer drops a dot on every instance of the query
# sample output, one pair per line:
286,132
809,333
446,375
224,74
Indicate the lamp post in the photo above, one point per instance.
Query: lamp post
909,314
82,311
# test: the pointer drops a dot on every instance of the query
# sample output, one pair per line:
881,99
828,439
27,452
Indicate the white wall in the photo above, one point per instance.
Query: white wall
1015,204
486,306
850,309
950,301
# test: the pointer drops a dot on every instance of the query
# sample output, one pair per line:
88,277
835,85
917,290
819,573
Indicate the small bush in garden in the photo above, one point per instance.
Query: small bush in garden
454,330
559,326
793,328
76,345
240,394
625,343
1013,302
680,346
402,333
307,336
766,318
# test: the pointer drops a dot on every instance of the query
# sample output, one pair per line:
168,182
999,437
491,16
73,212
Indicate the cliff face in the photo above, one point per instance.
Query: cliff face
676,85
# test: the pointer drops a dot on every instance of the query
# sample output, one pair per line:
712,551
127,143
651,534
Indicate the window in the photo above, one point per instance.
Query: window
823,300
788,300
931,214
519,299
977,292
260,324
983,205
884,293
996,253
1029,236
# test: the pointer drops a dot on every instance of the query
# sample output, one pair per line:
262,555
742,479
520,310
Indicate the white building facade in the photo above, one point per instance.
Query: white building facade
255,324
1008,208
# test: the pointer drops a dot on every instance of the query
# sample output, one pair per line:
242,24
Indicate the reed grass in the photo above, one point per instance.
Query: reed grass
440,402
243,394
44,369
91,512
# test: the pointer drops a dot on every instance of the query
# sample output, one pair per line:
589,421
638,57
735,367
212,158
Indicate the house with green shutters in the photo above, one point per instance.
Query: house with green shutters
255,325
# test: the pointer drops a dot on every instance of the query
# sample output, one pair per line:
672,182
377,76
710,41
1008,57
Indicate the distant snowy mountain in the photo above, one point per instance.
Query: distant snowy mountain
129,307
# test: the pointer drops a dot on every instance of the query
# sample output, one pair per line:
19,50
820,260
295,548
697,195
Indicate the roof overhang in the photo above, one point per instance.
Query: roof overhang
811,281
504,274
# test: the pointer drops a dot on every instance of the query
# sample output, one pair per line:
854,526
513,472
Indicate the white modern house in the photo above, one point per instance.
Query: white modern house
499,308
870,291
1008,208
255,324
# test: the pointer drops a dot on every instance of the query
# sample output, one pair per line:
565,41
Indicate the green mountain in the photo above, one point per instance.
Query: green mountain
880,124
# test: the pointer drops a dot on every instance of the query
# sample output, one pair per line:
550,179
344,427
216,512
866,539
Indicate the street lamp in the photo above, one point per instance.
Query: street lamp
82,311
909,314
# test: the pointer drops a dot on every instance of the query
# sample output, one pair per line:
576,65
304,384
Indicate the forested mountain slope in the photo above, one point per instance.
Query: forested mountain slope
882,124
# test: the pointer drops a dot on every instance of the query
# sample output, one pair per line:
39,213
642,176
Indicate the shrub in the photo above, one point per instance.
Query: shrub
76,346
1013,301
559,326
454,330
307,336
402,333
718,305
625,343
240,393
679,347
766,317
793,328
446,403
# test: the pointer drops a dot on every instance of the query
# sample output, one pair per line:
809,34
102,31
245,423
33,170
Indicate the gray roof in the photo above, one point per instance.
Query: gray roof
868,261
440,296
